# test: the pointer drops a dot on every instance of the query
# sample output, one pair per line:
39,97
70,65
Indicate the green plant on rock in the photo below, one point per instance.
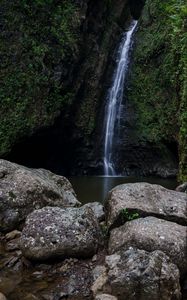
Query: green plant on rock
128,216
104,229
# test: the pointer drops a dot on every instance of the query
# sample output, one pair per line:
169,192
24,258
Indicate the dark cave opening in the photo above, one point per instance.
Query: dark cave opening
47,148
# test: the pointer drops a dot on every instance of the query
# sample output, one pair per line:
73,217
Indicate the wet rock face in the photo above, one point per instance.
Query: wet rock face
22,190
53,232
152,234
137,274
146,199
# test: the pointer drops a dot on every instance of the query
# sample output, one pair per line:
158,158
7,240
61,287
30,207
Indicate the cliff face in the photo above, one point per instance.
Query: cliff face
57,63
158,79
54,58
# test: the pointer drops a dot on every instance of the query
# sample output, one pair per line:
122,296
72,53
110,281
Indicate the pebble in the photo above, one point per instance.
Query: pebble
12,235
2,297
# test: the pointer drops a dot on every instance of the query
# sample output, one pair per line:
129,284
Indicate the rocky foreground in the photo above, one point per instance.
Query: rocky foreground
53,248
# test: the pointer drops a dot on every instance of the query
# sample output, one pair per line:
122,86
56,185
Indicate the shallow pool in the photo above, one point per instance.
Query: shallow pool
95,188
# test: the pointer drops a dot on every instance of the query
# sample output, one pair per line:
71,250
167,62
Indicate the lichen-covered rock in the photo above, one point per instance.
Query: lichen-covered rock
53,232
98,210
140,275
22,190
153,234
147,200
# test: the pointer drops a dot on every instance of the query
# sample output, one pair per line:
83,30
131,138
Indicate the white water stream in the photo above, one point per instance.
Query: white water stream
115,97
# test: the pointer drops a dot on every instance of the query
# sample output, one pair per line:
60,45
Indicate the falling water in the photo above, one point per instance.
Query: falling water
115,97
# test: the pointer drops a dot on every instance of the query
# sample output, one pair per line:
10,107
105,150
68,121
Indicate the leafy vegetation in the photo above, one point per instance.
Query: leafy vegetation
128,216
159,76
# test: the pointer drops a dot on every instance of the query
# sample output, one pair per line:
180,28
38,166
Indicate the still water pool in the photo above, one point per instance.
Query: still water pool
95,188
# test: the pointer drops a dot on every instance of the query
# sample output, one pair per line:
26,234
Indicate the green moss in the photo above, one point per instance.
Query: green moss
37,36
158,88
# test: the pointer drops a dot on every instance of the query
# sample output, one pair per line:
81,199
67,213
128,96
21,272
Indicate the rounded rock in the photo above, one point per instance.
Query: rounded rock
53,232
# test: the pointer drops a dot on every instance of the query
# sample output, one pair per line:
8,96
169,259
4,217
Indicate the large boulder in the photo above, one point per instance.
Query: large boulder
146,200
53,232
22,190
152,234
140,275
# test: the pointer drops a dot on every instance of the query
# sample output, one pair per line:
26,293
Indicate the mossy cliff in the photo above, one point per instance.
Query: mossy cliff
36,38
54,55
158,88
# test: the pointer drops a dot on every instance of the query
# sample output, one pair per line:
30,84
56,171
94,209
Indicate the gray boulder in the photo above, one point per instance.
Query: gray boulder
53,232
98,210
152,234
146,200
140,275
23,190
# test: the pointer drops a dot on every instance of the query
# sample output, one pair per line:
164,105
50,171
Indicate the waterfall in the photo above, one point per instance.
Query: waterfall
115,97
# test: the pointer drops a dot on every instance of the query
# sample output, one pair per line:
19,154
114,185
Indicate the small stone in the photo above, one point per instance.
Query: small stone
31,297
100,277
2,297
98,210
12,235
105,297
98,271
12,245
182,188
94,258
38,274
12,261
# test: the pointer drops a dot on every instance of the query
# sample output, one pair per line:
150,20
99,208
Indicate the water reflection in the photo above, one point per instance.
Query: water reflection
96,188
